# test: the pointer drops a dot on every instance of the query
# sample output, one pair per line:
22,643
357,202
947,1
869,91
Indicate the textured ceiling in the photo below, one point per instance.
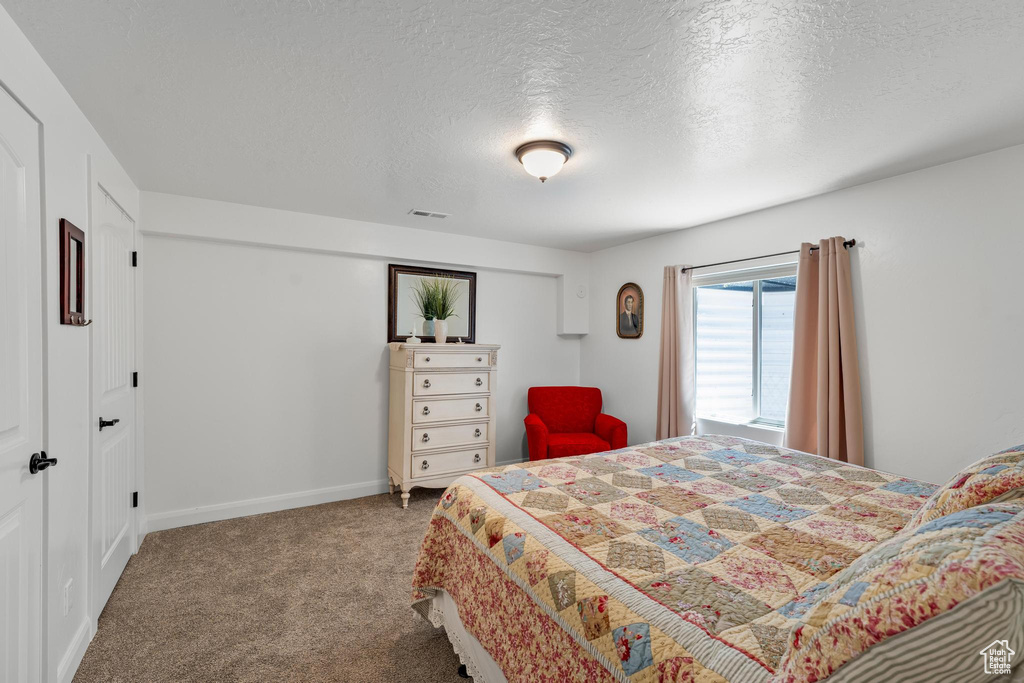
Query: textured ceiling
680,112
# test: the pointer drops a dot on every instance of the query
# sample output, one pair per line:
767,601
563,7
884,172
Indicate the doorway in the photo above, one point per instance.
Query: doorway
22,458
113,465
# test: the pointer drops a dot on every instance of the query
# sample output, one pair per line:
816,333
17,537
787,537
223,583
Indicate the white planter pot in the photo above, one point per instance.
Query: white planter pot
440,331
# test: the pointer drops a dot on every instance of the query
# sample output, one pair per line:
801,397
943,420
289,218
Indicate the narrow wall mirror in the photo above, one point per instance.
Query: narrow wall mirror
72,274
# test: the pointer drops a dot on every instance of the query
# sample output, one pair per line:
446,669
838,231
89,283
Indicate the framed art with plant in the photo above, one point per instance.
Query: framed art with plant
433,303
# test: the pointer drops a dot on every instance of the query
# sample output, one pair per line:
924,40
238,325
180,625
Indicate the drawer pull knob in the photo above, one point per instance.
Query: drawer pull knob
476,458
479,359
426,410
479,407
427,359
426,437
426,384
425,465
479,382
477,432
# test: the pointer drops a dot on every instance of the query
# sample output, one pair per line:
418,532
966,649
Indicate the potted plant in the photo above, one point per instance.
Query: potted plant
423,297
436,298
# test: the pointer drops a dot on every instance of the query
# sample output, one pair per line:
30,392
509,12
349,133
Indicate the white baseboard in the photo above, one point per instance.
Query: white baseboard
141,527
257,506
76,651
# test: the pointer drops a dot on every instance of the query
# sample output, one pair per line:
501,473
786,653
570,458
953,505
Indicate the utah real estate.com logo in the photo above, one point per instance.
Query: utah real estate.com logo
997,657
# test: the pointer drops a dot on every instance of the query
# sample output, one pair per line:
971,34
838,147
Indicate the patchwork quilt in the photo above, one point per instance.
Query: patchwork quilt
689,559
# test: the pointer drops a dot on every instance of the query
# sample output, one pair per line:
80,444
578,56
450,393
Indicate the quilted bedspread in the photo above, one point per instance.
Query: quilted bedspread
685,559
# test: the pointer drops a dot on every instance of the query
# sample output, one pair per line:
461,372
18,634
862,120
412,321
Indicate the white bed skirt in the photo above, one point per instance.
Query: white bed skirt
479,664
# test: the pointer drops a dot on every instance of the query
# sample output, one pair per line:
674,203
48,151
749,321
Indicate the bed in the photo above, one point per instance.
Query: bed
699,558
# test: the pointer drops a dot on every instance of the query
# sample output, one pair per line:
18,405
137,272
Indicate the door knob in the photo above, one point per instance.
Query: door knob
427,359
479,359
479,407
426,410
108,423
426,437
479,382
426,384
477,433
476,458
39,462
425,465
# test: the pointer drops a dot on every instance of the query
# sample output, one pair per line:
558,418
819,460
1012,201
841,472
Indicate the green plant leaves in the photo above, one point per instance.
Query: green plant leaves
436,297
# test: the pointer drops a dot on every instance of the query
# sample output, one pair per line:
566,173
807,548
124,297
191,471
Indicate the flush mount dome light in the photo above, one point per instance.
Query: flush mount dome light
543,158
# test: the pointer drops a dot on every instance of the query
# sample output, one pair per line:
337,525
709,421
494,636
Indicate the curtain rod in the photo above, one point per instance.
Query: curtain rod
848,243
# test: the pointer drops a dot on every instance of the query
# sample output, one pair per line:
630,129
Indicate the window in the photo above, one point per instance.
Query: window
744,344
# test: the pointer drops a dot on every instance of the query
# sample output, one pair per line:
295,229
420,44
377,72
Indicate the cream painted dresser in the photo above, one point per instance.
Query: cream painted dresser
442,413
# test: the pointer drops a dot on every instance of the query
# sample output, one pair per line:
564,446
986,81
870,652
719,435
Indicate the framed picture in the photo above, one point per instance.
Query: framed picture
629,311
72,274
405,313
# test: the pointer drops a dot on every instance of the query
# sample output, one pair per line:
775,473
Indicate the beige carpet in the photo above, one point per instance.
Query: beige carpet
315,594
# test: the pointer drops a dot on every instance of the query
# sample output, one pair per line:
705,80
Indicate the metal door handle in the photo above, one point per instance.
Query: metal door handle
426,437
479,407
108,423
426,384
479,382
39,462
477,433
426,410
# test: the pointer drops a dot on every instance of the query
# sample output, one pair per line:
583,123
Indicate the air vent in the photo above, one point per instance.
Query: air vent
427,214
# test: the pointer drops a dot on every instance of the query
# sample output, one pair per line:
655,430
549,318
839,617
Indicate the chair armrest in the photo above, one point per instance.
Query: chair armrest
536,437
611,429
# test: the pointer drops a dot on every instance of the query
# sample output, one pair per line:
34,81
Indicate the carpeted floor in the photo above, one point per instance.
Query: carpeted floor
315,594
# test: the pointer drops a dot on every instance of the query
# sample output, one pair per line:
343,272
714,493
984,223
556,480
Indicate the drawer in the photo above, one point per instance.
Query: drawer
433,384
429,438
441,463
437,410
428,359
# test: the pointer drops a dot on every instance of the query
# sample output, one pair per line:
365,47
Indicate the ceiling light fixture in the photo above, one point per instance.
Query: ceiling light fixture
543,158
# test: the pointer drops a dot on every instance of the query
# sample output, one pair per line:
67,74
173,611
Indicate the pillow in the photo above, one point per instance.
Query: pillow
993,479
970,561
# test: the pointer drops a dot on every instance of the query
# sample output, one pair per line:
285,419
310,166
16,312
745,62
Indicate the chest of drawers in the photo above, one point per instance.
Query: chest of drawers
441,421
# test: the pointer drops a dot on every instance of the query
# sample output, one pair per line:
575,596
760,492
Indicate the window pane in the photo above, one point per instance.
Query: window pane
777,299
725,365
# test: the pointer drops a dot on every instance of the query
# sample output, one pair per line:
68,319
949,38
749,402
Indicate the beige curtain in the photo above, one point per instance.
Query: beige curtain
675,377
824,415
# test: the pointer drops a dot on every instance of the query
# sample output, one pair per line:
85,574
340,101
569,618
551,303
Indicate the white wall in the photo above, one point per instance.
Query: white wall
938,280
266,369
177,216
68,143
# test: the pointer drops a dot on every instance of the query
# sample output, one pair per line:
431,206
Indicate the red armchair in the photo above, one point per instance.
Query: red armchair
568,421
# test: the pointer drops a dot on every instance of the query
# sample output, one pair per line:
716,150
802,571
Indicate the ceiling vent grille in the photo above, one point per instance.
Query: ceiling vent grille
427,214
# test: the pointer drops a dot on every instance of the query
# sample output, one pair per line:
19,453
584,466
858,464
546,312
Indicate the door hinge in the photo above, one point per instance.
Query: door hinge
135,499
135,259
135,379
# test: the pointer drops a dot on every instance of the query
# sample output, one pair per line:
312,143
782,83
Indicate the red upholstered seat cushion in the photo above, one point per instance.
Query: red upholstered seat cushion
562,445
566,409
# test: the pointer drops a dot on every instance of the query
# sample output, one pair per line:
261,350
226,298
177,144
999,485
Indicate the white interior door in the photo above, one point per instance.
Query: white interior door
21,395
112,239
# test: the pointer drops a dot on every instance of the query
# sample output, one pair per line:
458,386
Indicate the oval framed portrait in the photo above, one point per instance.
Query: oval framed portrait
629,311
